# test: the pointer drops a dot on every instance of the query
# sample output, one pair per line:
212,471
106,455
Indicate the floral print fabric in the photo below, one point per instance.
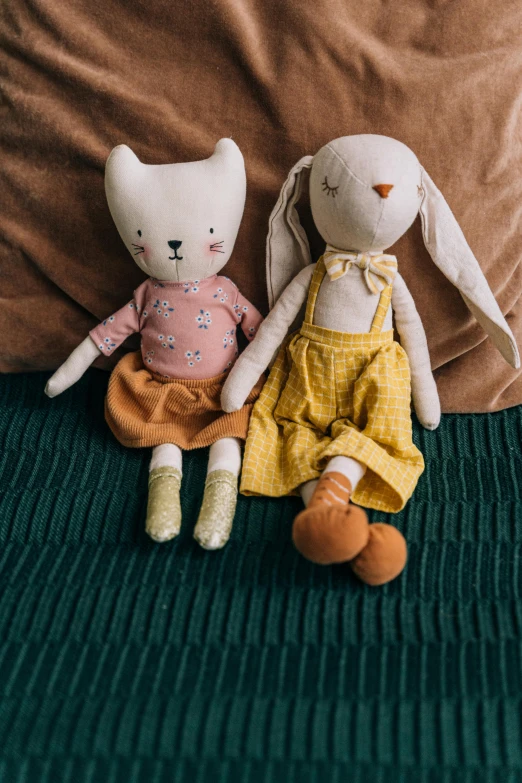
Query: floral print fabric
188,330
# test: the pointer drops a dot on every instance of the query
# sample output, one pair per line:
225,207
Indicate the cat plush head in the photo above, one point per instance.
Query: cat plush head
179,221
365,192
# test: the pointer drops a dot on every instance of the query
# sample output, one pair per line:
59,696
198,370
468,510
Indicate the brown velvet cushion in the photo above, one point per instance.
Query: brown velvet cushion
282,78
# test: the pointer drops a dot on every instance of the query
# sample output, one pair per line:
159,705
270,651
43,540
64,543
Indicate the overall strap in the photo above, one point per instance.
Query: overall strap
382,309
315,285
317,279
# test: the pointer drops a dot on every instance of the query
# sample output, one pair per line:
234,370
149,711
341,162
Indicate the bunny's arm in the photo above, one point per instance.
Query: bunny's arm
413,340
256,357
103,339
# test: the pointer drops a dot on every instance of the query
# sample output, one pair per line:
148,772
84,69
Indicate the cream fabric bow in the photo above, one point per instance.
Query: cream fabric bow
374,266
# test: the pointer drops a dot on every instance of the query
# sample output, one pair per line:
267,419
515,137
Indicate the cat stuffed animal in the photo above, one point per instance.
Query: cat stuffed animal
333,421
179,222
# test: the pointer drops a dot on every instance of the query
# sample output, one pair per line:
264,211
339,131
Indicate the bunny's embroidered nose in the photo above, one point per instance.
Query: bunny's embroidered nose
175,244
383,190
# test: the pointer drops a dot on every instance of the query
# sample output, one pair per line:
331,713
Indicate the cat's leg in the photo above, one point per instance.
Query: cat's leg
332,530
220,497
163,507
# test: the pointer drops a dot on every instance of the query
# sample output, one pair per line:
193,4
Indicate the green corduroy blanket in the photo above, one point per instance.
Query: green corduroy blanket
126,661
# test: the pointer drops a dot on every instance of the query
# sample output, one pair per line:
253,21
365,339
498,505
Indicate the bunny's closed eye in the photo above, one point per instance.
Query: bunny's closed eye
328,189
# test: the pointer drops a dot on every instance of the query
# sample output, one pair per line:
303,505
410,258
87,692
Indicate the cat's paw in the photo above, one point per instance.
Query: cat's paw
55,386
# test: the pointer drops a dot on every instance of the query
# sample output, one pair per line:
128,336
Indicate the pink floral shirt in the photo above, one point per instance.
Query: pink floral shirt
188,330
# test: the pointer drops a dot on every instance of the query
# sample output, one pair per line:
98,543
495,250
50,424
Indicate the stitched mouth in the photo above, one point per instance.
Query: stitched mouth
175,257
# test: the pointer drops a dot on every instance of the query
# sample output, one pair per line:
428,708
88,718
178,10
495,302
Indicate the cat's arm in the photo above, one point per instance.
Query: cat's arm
248,316
73,367
103,339
413,340
256,357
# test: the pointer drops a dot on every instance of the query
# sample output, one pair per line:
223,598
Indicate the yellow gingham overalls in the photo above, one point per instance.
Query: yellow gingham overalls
332,393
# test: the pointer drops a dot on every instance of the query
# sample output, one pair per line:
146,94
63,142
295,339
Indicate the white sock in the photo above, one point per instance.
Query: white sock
307,490
225,454
353,470
168,455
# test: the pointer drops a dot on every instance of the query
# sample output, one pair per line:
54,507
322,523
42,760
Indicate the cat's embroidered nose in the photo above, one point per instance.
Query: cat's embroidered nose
383,190
175,244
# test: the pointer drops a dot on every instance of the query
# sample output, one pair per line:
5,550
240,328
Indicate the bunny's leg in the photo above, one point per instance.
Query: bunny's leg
332,530
164,508
220,497
307,490
351,468
384,556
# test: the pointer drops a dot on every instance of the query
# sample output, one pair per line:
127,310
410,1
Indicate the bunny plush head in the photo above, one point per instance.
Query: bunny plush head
179,221
365,192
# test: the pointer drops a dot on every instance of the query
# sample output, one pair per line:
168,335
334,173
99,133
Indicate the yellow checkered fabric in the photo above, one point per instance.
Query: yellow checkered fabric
331,393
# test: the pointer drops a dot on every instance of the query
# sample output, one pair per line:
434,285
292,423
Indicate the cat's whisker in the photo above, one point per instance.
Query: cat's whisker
139,252
215,250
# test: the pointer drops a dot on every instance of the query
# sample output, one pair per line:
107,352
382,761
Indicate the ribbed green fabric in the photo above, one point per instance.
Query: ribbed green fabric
124,660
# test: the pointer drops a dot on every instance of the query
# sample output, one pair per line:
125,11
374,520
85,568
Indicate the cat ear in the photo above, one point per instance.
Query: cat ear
287,249
122,157
122,164
449,250
229,181
227,149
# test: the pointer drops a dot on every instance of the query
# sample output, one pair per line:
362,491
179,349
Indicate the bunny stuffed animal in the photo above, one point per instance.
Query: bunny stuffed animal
336,406
179,222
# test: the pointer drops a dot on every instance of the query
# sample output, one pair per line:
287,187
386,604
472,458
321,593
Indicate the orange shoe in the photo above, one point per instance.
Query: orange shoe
384,556
331,530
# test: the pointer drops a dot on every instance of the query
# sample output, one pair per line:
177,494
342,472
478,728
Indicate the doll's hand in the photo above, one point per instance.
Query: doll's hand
57,383
73,368
426,402
236,389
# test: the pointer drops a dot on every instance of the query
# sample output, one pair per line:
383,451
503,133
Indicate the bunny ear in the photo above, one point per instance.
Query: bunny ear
449,250
287,249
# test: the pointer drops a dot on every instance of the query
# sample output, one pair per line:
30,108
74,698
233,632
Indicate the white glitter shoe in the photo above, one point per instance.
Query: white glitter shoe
163,507
217,510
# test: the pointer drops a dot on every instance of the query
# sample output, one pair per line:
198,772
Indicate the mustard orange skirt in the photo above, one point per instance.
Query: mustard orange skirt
145,409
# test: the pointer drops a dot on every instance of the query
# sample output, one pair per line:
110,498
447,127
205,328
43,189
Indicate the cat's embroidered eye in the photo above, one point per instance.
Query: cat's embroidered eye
139,232
211,230
328,189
